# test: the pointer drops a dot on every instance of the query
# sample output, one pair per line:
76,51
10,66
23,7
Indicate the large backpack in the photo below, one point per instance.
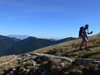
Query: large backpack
81,30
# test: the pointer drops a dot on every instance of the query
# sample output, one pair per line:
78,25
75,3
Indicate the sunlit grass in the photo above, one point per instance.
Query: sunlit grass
6,58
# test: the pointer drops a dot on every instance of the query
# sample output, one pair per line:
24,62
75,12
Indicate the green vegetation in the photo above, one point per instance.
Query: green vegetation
6,43
10,46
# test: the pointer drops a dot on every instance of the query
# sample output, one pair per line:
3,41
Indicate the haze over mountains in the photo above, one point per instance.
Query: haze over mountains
10,45
19,36
22,37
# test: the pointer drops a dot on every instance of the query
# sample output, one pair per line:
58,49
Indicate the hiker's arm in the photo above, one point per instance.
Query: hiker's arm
83,34
90,32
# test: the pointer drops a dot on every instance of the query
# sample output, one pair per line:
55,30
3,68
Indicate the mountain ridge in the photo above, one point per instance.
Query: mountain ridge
29,44
6,43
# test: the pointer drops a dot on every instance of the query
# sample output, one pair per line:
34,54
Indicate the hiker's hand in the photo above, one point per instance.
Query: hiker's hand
91,32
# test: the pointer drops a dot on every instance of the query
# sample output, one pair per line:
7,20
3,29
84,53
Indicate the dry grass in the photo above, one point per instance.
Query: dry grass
71,48
6,58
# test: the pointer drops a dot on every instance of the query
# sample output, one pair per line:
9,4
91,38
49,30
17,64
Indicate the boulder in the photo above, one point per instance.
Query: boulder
44,73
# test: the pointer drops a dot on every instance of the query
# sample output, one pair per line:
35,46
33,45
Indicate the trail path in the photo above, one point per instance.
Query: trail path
9,61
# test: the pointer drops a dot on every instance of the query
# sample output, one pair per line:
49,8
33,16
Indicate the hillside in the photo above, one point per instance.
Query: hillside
32,43
66,39
71,48
29,44
6,43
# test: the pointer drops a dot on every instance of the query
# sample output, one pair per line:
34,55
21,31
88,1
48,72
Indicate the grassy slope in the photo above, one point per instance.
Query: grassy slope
4,59
71,48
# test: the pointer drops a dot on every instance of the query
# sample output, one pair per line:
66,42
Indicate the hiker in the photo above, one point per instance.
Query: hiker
83,33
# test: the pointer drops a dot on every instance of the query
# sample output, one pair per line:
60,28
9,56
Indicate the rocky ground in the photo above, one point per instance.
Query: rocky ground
44,64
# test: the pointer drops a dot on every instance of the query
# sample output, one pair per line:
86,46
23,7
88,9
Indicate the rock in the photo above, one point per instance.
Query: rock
44,62
30,67
19,58
32,61
27,70
82,61
34,57
24,63
28,55
45,51
59,60
44,57
23,69
36,68
7,74
31,73
62,64
24,57
44,73
98,62
66,59
14,69
37,65
33,54
34,64
12,73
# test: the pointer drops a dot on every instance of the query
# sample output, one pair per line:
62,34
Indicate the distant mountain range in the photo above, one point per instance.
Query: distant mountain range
21,37
10,45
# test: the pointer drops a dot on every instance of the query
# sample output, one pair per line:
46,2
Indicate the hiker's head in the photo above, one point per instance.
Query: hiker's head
86,26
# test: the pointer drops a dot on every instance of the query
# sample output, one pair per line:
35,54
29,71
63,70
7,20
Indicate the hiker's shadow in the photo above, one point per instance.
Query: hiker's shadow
68,53
90,54
75,51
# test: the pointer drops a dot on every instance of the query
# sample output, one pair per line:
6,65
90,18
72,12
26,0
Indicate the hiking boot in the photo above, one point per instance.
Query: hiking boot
87,49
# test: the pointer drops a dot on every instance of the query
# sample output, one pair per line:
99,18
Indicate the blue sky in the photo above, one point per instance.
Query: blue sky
48,18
